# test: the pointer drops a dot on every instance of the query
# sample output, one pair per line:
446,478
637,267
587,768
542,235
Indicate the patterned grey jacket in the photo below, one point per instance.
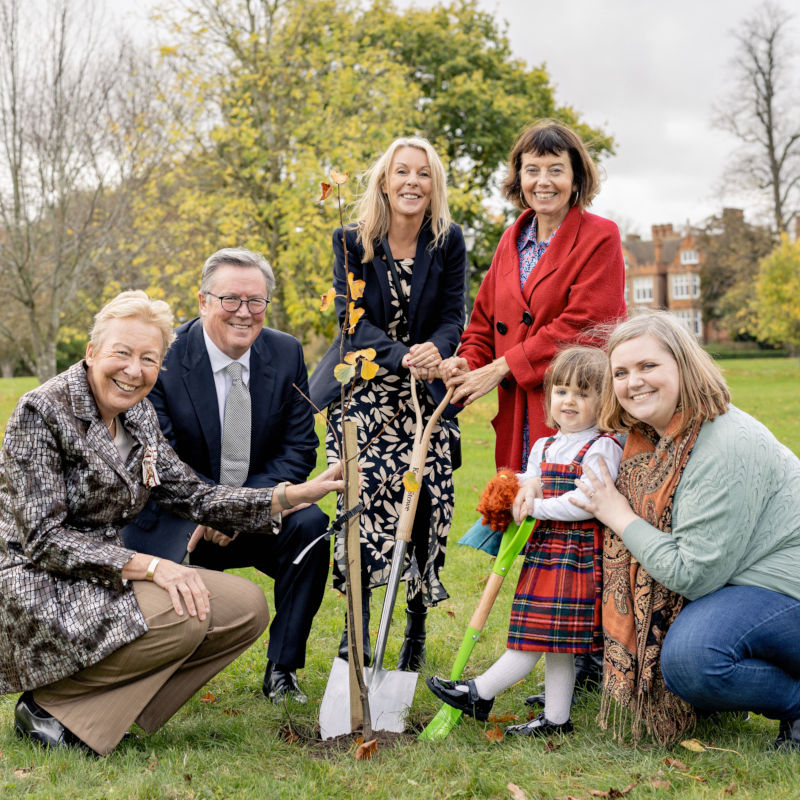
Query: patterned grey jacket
64,494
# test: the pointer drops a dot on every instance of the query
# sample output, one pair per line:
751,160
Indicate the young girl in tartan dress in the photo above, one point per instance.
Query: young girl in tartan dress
556,608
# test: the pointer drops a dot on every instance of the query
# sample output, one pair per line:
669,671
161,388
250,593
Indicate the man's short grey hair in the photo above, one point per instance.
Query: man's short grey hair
236,257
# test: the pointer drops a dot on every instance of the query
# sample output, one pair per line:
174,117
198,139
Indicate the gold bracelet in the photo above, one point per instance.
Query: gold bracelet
152,568
280,493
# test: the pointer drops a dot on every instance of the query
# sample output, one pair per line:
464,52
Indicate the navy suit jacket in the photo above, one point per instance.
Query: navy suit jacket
435,312
283,444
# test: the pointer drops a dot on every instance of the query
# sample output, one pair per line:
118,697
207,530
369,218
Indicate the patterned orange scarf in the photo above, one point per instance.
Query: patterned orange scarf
637,610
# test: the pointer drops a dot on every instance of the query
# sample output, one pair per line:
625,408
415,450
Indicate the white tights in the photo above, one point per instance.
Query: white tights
514,665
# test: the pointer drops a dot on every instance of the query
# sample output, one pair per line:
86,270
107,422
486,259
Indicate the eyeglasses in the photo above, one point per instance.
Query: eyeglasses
229,303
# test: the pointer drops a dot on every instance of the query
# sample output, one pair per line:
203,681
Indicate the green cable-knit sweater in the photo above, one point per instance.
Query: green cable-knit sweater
736,515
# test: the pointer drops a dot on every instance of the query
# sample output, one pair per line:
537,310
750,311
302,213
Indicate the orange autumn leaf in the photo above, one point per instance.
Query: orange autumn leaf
208,697
369,369
327,299
503,718
366,750
673,762
231,712
338,177
410,483
344,372
356,286
354,316
325,191
494,734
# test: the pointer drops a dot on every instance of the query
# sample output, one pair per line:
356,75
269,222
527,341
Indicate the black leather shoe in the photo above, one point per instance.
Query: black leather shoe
470,702
412,651
280,684
788,735
31,721
536,700
539,726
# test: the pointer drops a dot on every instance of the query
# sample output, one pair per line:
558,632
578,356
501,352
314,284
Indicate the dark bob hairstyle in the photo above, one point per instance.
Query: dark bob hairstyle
551,138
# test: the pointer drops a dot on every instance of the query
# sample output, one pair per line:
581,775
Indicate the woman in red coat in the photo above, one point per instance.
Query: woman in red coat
557,272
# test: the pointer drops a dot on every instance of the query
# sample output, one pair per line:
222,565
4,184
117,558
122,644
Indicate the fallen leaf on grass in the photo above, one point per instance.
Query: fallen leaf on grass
289,735
731,788
366,750
612,793
208,697
231,712
451,613
503,718
23,772
659,784
550,746
696,746
516,792
494,734
187,776
673,762
152,764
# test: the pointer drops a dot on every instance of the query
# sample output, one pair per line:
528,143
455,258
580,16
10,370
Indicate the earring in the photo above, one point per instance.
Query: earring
577,195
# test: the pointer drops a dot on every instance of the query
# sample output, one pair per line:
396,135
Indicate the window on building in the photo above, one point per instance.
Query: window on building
689,257
642,290
686,286
692,318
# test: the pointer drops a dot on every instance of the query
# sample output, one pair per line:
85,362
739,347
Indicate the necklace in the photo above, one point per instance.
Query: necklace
112,427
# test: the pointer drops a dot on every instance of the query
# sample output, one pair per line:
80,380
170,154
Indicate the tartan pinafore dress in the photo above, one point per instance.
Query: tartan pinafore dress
556,605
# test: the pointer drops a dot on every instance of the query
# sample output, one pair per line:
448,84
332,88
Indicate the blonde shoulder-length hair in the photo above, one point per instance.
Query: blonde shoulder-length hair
372,209
703,393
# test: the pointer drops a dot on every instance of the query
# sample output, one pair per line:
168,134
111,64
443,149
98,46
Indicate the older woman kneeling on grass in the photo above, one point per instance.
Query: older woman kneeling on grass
96,635
702,554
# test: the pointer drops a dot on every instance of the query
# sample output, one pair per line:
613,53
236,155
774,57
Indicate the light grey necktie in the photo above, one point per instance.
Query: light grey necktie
235,454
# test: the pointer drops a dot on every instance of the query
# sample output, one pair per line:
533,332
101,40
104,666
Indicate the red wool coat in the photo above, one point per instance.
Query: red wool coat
578,283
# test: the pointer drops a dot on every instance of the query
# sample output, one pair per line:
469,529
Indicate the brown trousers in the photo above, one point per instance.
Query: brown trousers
148,680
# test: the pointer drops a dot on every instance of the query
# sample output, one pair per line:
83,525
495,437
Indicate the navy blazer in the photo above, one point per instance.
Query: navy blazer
435,312
283,444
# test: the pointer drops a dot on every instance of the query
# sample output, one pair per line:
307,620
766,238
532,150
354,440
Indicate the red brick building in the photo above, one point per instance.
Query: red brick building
665,273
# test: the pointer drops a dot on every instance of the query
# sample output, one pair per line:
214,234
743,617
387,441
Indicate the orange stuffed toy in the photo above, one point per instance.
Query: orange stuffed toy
497,499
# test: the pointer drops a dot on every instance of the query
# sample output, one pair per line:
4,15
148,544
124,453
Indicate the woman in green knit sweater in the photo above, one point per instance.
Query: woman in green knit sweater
701,600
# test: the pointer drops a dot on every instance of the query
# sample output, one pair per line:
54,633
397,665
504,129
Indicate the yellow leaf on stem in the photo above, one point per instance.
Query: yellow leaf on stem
369,369
344,372
356,287
327,299
354,316
338,177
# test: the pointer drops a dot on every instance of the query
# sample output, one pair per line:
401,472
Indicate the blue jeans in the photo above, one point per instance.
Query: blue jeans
737,649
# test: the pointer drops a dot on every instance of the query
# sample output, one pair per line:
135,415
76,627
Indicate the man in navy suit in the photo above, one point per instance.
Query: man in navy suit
190,398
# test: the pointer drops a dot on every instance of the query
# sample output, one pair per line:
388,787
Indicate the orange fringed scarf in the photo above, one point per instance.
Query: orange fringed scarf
497,499
637,610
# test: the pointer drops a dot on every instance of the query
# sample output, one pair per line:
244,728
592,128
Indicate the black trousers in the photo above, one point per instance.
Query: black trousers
298,588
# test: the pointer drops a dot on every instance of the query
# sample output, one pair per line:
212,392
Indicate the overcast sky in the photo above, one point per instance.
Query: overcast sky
647,72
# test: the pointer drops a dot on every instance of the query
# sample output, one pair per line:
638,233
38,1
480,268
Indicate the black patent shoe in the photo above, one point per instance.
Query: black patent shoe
470,702
281,684
539,726
32,722
788,735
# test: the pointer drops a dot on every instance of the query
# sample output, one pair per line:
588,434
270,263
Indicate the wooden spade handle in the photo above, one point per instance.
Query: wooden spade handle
418,456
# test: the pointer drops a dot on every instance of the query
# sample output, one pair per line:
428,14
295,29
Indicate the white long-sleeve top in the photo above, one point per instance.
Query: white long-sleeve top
562,451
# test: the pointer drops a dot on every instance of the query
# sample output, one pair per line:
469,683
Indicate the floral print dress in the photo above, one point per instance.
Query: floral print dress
373,407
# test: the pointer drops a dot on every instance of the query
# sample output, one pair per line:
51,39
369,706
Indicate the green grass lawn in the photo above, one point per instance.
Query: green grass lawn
237,746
